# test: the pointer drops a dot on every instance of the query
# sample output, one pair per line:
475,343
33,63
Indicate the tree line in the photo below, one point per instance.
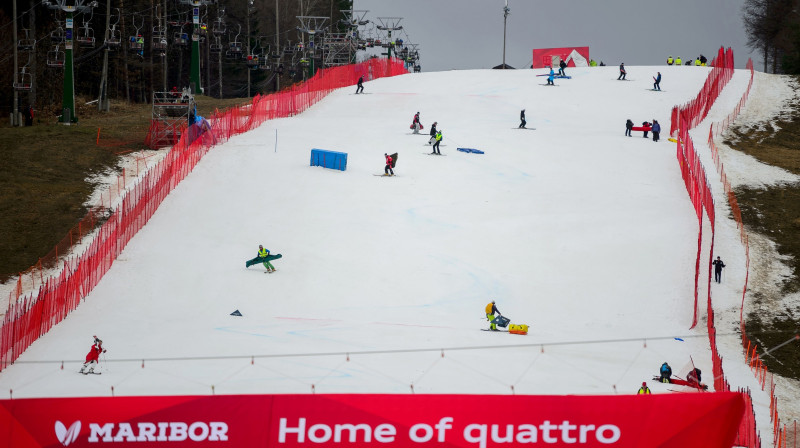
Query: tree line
134,75
773,31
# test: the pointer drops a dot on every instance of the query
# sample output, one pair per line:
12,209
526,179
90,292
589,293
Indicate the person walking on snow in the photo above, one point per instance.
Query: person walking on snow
388,169
666,373
436,145
628,127
433,134
360,88
561,66
622,72
647,128
522,119
92,358
718,265
491,309
644,390
656,130
657,85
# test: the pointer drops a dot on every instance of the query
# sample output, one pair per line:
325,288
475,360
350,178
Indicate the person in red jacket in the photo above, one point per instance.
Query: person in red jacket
388,169
93,356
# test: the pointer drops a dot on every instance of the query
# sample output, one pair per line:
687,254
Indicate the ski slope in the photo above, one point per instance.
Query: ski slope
584,234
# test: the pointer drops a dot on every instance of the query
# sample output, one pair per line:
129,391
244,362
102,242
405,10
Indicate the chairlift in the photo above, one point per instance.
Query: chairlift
180,38
159,40
136,42
252,61
219,27
216,47
57,36
56,58
24,80
235,47
26,44
264,64
113,40
86,36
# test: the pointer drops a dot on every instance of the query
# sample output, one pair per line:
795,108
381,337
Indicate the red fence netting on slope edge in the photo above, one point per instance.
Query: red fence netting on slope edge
29,317
683,119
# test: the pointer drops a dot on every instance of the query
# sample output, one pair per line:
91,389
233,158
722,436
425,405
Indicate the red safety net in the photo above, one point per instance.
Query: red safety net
31,316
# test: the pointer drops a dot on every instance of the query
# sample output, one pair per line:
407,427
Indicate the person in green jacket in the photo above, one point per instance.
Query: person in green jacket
263,253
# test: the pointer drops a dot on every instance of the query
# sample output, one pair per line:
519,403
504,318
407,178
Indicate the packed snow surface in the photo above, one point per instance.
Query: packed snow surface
585,235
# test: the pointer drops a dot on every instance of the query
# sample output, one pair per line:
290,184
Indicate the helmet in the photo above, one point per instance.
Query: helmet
644,383
492,301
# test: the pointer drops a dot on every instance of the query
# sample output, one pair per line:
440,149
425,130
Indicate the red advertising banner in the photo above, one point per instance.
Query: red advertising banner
689,420
550,57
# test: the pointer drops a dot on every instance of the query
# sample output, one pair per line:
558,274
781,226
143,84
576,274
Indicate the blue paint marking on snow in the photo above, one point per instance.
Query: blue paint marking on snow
679,339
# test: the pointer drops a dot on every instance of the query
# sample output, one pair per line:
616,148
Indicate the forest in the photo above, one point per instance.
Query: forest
773,31
245,47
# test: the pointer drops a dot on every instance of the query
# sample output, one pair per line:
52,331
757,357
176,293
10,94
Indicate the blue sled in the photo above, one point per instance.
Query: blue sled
563,77
476,151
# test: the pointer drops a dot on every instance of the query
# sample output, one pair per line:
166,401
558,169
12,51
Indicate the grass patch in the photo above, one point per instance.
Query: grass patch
44,177
775,213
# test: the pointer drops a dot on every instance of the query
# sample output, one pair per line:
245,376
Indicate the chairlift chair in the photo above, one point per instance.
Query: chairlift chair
57,35
56,58
113,40
26,44
24,80
180,38
135,43
219,27
252,61
216,47
86,37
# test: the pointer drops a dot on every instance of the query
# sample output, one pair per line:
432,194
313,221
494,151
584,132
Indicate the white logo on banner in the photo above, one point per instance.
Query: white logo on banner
67,436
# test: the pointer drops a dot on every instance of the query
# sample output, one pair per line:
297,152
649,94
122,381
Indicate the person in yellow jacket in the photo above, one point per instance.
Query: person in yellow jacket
263,253
678,61
670,61
491,309
644,390
697,62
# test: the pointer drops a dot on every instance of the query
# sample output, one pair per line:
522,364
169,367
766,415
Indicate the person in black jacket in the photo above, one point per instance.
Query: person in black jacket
718,265
433,134
561,66
622,72
628,127
360,88
522,119
646,125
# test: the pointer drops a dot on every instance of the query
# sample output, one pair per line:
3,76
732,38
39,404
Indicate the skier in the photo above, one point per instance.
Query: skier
657,79
628,127
92,358
264,253
415,124
436,145
522,119
718,265
561,66
388,168
666,373
360,88
433,134
622,72
550,78
644,390
491,309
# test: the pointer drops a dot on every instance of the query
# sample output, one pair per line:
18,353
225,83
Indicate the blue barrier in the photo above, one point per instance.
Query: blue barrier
475,151
329,159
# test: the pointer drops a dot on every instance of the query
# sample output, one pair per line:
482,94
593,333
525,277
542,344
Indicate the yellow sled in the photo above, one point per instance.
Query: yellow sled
518,329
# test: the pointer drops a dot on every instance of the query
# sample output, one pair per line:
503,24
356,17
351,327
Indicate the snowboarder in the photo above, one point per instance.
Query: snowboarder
415,124
718,265
657,79
522,119
550,77
92,358
647,127
388,169
436,145
622,72
644,390
561,66
433,134
628,127
666,373
656,130
360,88
491,309
264,253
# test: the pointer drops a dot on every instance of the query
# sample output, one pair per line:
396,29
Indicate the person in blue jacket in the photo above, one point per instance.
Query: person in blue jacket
550,77
657,84
666,373
656,130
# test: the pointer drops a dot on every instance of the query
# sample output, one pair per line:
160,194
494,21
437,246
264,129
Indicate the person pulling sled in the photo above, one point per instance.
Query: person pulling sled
415,124
93,357
491,310
391,160
263,257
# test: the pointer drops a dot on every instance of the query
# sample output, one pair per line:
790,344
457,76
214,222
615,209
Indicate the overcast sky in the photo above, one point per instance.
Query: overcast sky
463,34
